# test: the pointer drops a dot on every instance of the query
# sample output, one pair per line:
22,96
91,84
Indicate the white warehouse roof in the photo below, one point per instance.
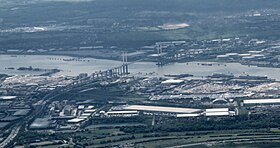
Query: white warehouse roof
222,56
187,115
81,107
122,112
161,109
75,120
89,110
261,101
172,81
7,97
217,114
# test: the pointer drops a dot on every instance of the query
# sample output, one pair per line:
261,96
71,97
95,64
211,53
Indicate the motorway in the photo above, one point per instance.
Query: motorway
15,130
12,135
38,108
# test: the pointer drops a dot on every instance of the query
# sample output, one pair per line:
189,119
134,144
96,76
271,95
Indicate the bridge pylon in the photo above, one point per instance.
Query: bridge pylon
125,63
159,52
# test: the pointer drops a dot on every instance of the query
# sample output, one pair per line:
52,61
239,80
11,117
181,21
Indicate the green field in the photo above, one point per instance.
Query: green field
216,138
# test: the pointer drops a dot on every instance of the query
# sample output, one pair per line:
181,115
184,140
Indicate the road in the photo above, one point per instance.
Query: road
12,135
38,108
15,130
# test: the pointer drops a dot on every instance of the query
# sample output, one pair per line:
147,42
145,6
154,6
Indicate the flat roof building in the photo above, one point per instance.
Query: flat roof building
262,101
160,109
172,81
187,115
217,110
122,113
217,114
75,120
89,110
40,123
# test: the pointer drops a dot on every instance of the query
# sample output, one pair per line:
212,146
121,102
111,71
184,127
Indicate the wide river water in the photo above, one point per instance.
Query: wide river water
91,65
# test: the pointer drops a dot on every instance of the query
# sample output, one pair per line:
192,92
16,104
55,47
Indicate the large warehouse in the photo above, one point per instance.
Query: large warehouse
261,101
161,109
177,111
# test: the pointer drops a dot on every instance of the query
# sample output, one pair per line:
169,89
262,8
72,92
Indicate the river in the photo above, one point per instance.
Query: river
74,66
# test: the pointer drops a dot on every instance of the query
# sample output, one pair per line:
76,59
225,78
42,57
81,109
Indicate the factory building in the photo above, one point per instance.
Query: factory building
261,101
218,112
173,110
41,123
172,82
121,113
